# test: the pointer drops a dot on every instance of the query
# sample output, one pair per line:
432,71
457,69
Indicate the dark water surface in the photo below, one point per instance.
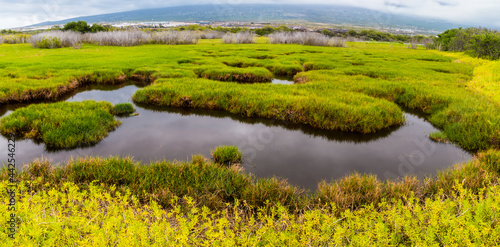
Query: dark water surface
301,154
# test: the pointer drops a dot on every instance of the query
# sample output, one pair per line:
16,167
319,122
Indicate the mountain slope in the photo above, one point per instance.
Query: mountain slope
267,12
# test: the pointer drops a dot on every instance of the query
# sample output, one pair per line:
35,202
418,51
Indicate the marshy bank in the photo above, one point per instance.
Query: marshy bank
299,153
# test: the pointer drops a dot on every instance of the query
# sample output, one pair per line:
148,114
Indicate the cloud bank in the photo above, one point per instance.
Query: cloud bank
27,12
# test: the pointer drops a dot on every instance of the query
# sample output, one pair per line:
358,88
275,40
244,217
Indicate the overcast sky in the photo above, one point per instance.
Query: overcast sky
26,12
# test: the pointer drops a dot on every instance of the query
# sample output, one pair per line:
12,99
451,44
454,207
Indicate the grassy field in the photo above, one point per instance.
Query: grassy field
361,88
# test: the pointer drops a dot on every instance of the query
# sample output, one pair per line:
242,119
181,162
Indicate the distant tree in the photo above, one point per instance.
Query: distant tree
80,26
352,33
478,42
265,30
328,32
83,27
283,28
97,28
9,31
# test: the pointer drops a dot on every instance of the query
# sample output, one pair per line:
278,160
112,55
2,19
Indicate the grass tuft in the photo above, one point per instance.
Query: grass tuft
122,109
63,124
227,155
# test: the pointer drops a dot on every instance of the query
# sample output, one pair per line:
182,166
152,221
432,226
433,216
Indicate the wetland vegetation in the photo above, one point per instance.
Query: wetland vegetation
359,88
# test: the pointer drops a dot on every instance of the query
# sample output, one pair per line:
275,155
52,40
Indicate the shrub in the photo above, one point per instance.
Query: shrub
305,38
123,108
227,155
238,38
14,39
136,37
478,42
49,43
174,38
56,39
118,38
211,34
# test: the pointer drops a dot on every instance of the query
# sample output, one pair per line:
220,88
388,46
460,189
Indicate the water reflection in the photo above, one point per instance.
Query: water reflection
301,154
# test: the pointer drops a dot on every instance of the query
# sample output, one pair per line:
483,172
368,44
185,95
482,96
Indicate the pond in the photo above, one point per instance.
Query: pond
302,155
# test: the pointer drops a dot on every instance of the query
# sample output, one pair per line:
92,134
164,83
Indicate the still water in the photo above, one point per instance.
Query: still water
302,155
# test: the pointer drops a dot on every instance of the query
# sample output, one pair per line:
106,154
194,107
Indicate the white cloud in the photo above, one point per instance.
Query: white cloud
26,12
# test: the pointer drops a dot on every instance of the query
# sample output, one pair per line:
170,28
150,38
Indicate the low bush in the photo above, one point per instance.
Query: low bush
239,38
14,39
175,38
56,39
136,37
73,214
305,38
118,38
211,34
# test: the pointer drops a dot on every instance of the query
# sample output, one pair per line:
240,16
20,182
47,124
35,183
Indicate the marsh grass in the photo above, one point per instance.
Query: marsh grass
201,202
123,109
339,111
439,137
214,185
244,75
458,93
227,155
63,124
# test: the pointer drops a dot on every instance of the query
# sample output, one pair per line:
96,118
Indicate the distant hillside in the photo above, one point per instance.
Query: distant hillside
330,14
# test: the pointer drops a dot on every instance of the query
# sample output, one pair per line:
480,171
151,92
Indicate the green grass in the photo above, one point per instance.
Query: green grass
227,155
244,75
216,185
69,215
63,124
359,88
347,111
203,203
439,137
122,109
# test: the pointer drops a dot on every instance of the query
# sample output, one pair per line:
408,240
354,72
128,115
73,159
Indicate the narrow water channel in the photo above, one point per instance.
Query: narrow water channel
303,155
